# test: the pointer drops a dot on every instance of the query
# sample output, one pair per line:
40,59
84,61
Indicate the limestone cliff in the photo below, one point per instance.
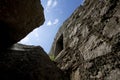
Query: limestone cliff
87,45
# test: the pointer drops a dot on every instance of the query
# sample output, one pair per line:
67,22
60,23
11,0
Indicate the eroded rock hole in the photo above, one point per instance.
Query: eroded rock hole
59,45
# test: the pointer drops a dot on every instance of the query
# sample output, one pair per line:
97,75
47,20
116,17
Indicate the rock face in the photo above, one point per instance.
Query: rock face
23,62
17,19
87,46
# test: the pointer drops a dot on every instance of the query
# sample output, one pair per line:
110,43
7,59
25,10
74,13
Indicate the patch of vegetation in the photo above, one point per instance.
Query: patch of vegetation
52,57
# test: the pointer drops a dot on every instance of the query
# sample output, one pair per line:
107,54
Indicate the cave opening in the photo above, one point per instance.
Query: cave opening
59,45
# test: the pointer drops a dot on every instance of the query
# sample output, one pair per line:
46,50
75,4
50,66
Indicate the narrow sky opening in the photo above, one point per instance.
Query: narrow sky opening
56,12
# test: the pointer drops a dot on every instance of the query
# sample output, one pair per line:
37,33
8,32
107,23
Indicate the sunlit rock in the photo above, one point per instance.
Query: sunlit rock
90,45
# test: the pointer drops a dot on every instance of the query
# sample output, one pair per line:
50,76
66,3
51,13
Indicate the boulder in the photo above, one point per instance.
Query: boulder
17,19
22,62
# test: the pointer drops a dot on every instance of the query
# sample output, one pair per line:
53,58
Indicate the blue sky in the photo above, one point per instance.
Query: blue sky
56,12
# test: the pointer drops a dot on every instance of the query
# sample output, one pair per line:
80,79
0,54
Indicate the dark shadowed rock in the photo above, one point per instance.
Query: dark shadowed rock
18,18
87,46
23,62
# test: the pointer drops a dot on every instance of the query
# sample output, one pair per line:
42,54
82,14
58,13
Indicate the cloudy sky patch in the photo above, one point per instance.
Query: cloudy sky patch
49,23
51,4
54,3
55,22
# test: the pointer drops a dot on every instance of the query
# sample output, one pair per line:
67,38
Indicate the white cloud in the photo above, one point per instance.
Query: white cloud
56,21
54,3
49,3
50,23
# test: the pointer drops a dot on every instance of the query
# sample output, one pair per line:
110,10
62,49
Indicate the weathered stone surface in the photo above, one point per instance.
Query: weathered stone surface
92,34
23,62
18,18
69,58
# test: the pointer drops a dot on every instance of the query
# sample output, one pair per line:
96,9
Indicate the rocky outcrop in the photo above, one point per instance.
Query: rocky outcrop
17,19
23,62
86,46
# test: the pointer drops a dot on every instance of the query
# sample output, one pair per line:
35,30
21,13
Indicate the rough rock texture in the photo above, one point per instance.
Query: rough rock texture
87,46
23,62
17,19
